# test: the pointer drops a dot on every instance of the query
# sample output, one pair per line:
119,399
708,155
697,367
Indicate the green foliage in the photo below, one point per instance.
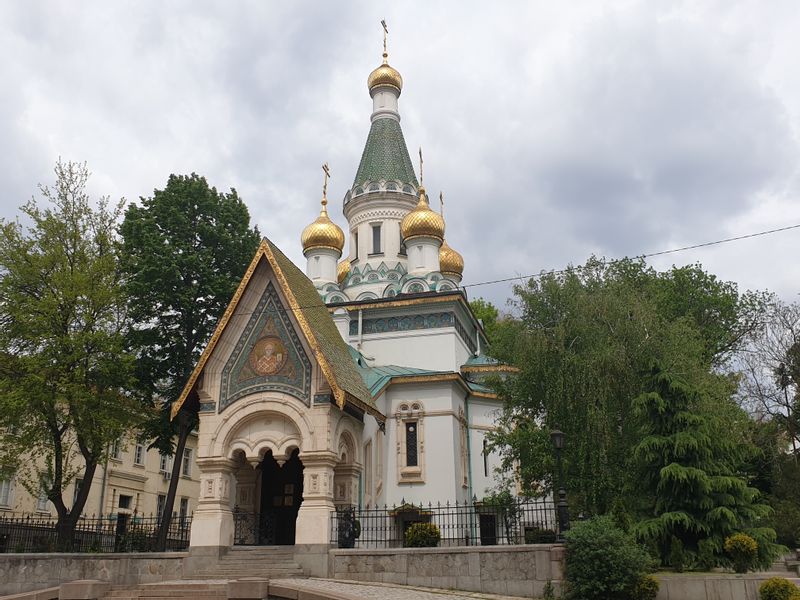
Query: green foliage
742,550
778,588
65,371
602,561
686,467
185,250
537,535
549,592
422,535
646,588
584,342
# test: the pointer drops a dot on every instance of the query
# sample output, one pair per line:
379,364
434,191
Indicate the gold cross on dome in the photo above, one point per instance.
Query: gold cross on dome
420,165
441,203
385,34
325,183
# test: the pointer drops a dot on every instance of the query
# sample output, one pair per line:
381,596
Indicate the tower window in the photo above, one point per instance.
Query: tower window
411,444
402,243
355,245
376,239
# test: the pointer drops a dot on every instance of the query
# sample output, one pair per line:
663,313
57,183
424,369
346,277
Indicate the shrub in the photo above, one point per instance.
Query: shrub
646,588
743,551
786,522
778,588
602,561
536,535
422,535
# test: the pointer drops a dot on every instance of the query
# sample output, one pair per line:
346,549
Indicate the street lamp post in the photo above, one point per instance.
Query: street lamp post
558,438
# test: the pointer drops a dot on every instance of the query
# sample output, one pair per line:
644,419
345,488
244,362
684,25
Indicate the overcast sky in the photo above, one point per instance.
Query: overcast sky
616,128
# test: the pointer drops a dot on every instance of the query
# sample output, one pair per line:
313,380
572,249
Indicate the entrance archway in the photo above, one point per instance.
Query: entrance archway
281,497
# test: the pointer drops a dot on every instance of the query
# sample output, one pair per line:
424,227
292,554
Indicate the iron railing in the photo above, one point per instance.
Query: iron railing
113,533
253,529
522,521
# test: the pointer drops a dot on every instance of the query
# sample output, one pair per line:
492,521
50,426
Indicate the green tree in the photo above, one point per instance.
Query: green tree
65,371
185,249
584,342
686,469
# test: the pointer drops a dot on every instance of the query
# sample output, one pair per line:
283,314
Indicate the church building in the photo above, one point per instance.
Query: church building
356,383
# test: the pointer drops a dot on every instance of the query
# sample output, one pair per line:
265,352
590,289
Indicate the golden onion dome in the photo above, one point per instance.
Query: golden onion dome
323,233
422,221
385,75
343,270
450,261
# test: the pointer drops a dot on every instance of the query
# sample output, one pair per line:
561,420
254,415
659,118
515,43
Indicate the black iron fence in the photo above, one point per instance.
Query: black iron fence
521,521
114,533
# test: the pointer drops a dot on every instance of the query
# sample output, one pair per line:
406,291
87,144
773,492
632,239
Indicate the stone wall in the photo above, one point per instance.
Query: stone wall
509,570
712,586
25,572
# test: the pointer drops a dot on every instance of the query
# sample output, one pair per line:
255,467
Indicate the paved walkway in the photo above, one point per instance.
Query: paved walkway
387,591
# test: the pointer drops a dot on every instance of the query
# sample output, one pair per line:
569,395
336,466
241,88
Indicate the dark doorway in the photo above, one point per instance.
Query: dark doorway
281,496
488,526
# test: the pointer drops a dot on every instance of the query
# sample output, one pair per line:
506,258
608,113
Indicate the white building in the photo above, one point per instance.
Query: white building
357,383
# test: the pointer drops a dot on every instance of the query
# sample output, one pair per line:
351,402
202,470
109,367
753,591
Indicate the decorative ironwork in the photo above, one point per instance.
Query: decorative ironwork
113,533
253,529
523,521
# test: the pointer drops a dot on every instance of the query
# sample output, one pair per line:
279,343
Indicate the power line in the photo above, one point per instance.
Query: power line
652,254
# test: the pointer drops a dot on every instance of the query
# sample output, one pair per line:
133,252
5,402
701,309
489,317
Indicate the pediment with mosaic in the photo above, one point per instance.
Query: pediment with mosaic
268,356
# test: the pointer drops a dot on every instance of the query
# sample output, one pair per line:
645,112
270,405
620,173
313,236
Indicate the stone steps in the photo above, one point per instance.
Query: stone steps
170,590
253,561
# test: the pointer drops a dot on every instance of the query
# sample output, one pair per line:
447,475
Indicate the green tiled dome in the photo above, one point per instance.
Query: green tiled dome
385,155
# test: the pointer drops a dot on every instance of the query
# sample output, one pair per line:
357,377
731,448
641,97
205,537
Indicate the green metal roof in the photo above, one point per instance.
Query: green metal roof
376,378
328,337
480,361
385,155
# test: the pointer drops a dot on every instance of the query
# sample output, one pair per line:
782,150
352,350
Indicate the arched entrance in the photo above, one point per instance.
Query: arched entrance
281,497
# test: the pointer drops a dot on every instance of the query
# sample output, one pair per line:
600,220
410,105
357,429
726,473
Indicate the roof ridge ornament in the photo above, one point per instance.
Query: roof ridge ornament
327,171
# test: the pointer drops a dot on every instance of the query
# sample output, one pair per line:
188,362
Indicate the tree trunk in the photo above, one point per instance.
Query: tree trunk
185,423
68,519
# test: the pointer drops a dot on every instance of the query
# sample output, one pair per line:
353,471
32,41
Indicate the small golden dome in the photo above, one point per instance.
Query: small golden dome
323,233
343,270
385,75
450,261
422,221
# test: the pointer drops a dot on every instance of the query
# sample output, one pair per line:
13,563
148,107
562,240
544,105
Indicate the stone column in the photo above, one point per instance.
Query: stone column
212,522
313,519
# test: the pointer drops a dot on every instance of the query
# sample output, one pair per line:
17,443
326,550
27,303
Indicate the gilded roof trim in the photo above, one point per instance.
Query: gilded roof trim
264,250
223,322
489,369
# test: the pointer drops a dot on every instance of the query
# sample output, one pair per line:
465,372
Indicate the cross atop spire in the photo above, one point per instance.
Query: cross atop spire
385,35
420,166
327,171
441,203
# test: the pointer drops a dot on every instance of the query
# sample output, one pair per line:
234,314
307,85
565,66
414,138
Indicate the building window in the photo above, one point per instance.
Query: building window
485,458
186,468
355,245
368,472
411,451
184,511
376,239
411,444
42,500
165,463
125,501
161,502
116,451
76,491
138,454
5,492
402,244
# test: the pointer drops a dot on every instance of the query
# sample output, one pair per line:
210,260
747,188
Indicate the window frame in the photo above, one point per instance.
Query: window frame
410,412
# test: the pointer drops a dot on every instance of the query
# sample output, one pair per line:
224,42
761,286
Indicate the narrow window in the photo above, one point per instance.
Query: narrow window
165,464
77,490
116,452
161,502
42,500
138,454
184,511
402,243
5,493
355,245
376,239
411,444
485,458
186,468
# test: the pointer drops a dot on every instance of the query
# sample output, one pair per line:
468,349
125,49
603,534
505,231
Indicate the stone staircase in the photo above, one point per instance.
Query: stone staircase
253,561
171,590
